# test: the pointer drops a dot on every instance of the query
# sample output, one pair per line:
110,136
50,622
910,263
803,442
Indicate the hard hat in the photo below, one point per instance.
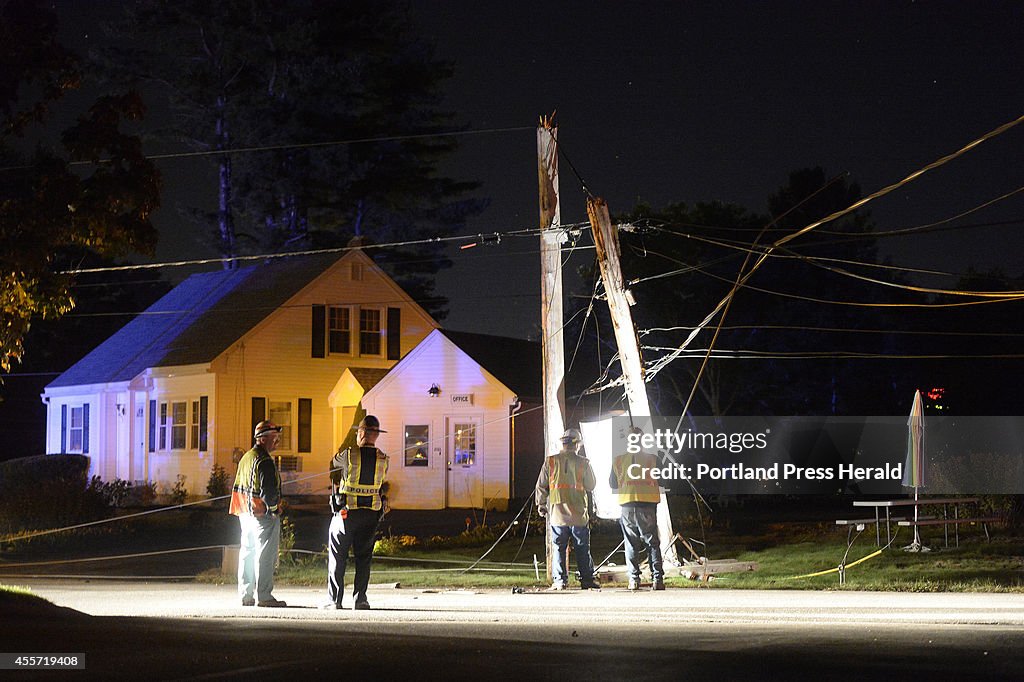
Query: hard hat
571,436
266,427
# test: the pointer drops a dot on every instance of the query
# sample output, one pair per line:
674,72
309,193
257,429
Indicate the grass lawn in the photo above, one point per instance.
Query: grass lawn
781,554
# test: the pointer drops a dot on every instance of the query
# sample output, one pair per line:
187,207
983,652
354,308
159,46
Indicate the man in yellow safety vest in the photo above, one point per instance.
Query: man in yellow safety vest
638,494
563,486
255,500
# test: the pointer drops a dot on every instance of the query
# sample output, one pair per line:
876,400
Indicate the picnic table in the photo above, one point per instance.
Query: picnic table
945,521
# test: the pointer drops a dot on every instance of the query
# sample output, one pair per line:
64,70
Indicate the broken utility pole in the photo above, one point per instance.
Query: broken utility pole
606,241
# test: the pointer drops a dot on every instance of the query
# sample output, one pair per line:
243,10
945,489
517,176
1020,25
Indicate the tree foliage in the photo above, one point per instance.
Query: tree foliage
47,205
284,78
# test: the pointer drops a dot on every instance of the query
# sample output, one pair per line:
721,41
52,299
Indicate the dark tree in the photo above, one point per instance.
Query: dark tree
45,204
286,78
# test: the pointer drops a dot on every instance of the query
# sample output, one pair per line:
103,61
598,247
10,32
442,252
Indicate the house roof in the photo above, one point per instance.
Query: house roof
514,362
197,320
368,376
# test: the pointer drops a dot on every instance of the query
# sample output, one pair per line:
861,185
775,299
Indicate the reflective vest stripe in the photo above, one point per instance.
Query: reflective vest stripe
246,494
353,489
636,489
565,481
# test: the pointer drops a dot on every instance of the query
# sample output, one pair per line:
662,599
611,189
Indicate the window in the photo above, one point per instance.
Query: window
465,444
179,426
76,429
163,426
369,331
339,330
295,436
280,412
193,427
417,445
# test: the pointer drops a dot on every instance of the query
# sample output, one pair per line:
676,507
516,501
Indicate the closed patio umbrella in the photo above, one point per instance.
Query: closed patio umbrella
913,471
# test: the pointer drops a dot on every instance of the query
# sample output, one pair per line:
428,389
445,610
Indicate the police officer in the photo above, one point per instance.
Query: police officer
255,500
565,481
357,503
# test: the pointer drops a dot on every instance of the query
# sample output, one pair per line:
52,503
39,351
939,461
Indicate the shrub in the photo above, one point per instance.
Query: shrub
178,491
393,544
48,491
141,494
114,493
284,550
219,485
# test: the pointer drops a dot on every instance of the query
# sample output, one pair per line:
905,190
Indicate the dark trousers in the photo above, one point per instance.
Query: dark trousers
358,531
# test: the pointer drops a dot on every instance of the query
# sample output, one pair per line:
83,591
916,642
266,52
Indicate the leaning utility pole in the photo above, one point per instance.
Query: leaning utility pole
551,238
606,241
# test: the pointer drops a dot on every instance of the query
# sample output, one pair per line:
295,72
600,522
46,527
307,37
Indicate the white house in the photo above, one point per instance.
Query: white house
181,386
298,340
463,428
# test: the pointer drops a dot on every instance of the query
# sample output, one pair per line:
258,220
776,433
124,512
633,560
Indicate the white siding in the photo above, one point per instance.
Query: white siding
401,399
274,360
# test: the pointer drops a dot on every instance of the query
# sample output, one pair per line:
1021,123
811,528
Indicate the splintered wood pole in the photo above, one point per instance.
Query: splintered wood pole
551,238
606,241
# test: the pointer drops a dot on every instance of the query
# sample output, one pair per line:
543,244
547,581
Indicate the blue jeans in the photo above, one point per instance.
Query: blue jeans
580,537
640,531
257,555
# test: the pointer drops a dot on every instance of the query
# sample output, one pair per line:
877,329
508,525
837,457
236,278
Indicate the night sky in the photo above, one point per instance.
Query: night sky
673,101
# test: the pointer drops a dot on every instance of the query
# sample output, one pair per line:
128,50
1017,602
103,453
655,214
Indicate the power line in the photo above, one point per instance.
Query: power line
1014,296
308,252
299,145
853,207
843,330
747,354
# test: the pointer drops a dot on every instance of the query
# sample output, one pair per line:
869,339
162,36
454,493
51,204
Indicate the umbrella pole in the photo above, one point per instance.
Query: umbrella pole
917,537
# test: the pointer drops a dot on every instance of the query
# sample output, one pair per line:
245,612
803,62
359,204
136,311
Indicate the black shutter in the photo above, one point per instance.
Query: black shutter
152,426
204,405
85,428
394,333
63,429
319,333
259,411
305,425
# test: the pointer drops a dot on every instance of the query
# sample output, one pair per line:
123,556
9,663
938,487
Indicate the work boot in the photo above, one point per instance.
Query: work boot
272,603
658,586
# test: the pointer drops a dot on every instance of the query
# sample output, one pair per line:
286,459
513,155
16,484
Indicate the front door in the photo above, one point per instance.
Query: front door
465,462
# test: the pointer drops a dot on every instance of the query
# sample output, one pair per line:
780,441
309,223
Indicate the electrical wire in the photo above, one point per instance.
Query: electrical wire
838,214
298,145
1012,296
844,330
308,252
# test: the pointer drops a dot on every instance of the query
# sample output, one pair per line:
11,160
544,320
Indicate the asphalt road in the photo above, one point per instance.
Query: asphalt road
132,630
